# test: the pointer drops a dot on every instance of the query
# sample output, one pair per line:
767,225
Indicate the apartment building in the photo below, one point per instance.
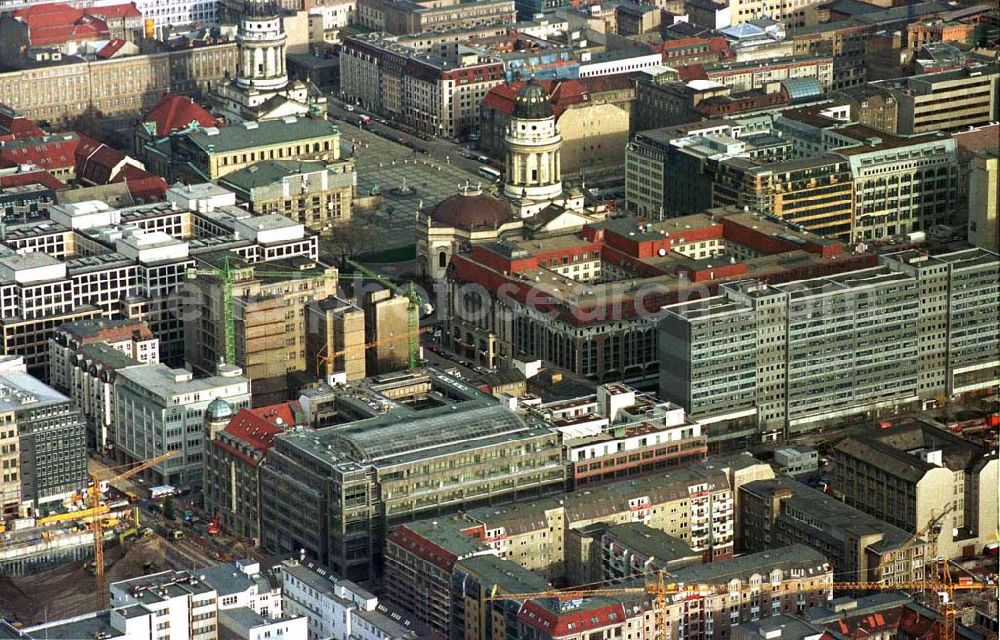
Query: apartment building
339,609
619,433
118,87
315,194
210,153
401,18
694,505
176,603
392,462
269,322
860,547
92,388
43,454
913,473
131,337
635,549
159,409
241,584
231,482
672,171
955,99
435,95
759,358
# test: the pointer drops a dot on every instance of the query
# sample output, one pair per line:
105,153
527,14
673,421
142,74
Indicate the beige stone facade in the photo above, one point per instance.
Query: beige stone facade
119,87
984,192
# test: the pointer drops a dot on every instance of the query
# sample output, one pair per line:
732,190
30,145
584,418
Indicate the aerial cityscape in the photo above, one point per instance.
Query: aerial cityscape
499,319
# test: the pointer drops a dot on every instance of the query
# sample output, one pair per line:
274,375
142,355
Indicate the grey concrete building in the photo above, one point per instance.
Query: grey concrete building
784,359
48,433
159,409
767,360
439,447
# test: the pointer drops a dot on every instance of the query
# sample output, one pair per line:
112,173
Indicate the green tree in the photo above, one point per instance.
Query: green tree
348,240
168,508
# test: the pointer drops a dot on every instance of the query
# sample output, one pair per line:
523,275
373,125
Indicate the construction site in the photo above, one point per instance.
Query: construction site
60,564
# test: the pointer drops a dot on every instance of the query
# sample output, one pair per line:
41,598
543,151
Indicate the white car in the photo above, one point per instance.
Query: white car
349,107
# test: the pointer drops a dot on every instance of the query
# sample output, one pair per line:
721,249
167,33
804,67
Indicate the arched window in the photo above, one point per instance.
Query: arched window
443,259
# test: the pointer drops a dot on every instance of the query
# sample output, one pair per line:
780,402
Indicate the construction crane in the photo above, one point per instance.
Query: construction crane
659,589
98,525
230,274
322,357
412,311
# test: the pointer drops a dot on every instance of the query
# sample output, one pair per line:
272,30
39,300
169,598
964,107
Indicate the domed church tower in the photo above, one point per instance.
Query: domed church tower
534,170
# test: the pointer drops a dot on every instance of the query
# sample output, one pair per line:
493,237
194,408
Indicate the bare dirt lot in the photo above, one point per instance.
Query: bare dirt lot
70,589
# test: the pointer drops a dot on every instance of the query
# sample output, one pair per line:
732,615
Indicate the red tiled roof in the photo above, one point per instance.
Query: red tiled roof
14,126
57,23
141,184
562,93
111,48
599,84
115,11
173,113
423,548
39,176
97,163
257,427
556,625
49,152
691,72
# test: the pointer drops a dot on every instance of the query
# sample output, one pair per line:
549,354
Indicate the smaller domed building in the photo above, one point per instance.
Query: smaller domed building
460,221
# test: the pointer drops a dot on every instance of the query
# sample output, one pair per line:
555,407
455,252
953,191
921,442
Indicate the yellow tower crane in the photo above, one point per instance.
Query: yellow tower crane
96,478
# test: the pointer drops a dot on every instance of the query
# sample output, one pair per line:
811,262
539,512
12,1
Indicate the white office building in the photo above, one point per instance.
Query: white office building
159,409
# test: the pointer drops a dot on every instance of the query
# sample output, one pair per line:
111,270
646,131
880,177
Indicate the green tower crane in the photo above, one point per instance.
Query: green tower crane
412,311
228,273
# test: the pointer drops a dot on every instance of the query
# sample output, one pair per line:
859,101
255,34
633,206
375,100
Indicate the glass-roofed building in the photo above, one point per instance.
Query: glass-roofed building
333,492
802,90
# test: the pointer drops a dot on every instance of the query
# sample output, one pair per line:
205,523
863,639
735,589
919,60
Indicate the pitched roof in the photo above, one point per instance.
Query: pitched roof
38,176
56,23
562,93
141,184
115,11
111,48
97,163
173,113
48,152
14,126
257,427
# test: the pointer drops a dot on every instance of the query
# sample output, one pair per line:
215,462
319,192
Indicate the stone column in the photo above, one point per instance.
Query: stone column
543,167
258,62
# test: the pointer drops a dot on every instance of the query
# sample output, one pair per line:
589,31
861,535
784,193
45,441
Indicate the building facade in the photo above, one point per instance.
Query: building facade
913,474
159,409
858,546
117,88
44,447
315,194
747,356
432,94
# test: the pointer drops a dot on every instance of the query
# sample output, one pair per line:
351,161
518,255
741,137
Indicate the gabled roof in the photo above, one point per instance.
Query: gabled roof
38,176
57,23
97,163
111,48
14,126
48,152
562,94
115,11
173,113
141,184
